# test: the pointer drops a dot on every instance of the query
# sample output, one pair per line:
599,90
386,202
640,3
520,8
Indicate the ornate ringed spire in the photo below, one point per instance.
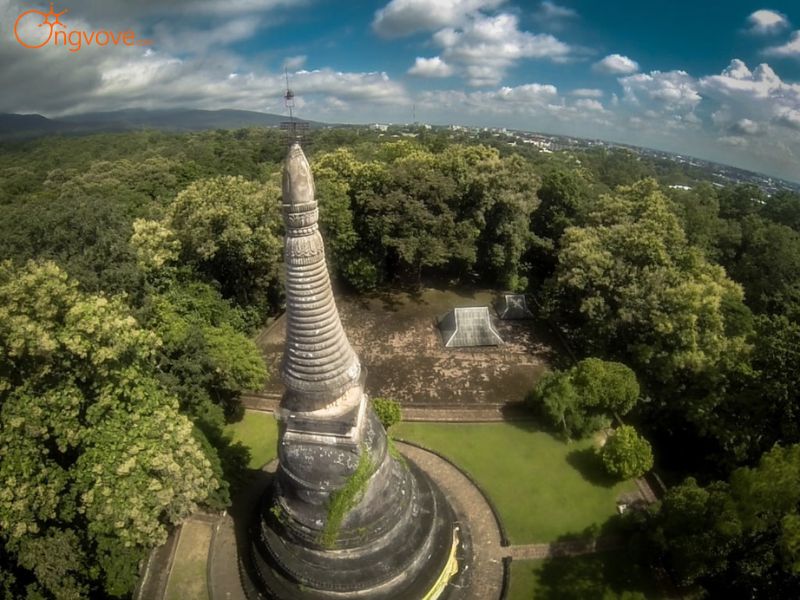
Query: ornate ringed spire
319,364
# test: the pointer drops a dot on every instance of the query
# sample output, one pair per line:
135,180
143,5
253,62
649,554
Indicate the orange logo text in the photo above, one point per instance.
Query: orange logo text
36,29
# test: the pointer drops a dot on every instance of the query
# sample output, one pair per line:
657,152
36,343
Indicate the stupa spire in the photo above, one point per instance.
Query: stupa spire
319,363
343,518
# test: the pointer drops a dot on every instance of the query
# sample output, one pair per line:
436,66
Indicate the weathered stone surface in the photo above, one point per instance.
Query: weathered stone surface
395,536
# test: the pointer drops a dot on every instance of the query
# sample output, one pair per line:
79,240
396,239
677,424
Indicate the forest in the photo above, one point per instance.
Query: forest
137,267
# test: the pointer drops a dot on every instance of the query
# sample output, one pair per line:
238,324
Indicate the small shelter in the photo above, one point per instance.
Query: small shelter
468,326
513,306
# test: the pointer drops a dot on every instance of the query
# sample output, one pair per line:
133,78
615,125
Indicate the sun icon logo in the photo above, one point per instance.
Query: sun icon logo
46,22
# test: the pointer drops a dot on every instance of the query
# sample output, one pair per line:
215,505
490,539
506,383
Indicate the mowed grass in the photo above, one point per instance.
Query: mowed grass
542,487
604,575
258,431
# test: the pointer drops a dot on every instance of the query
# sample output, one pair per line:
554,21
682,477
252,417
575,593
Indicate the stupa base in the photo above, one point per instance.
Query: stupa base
416,564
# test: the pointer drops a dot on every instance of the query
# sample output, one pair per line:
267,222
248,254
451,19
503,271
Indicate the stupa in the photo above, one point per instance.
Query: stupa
345,516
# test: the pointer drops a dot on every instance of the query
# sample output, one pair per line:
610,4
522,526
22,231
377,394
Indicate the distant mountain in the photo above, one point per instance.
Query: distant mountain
13,126
28,126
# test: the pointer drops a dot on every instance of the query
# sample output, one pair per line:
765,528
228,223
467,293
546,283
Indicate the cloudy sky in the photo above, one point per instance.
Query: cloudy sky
711,78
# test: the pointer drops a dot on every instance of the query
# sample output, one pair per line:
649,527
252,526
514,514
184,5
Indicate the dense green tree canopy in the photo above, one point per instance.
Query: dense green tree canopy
185,229
230,229
634,287
93,450
735,538
416,211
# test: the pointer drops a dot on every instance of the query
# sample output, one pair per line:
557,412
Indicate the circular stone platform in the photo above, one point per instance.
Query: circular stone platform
480,573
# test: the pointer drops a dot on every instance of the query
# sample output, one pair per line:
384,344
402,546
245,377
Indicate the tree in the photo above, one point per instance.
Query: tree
736,537
762,407
629,285
562,198
583,399
93,451
206,360
698,209
155,246
388,411
510,199
766,261
230,229
609,386
783,208
626,454
557,398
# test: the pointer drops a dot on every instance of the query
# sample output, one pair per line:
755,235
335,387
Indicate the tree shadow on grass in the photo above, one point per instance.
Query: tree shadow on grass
588,464
530,425
605,575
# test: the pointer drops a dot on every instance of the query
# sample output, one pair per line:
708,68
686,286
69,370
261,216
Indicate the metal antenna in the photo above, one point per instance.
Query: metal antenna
294,129
288,97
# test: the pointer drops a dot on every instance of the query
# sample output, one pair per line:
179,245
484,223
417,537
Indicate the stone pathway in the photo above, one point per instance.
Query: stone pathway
486,413
574,548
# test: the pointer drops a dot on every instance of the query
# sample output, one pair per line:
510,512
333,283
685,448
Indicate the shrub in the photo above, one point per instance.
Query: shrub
388,411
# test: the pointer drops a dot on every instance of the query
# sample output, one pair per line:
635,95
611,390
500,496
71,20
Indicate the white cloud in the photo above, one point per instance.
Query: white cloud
372,87
733,140
404,17
746,127
292,63
587,93
672,91
430,67
759,96
589,104
790,117
529,92
767,21
552,10
737,81
553,15
527,98
789,49
616,64
488,46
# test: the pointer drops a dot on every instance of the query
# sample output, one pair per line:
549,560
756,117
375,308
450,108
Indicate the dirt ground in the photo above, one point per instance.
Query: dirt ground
396,338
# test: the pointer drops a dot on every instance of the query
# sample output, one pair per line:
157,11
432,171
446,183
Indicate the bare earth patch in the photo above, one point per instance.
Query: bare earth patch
398,342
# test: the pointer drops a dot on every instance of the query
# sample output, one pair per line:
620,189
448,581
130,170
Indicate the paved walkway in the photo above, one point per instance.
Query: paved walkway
485,413
554,549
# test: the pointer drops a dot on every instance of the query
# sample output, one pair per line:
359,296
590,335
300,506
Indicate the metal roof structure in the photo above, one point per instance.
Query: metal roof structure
513,306
468,326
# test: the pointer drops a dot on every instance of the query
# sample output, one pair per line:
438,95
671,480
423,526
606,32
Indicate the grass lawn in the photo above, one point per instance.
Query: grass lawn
258,431
187,579
605,575
542,487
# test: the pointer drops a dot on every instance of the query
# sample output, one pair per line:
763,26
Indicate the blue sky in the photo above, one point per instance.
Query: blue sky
715,79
